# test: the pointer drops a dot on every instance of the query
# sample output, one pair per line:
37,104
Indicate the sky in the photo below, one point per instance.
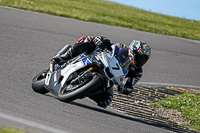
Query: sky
188,9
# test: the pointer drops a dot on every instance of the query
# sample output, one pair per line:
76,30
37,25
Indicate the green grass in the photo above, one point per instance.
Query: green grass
9,130
112,14
187,104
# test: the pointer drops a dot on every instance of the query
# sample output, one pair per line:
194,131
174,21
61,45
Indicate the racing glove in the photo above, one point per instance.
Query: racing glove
102,42
124,90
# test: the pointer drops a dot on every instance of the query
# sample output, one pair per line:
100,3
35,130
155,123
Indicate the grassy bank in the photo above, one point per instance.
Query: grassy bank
187,104
9,130
112,14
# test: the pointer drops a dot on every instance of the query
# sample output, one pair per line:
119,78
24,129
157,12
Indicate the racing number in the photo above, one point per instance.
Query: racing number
116,68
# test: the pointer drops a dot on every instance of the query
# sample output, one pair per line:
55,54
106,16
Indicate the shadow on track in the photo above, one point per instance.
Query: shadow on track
116,114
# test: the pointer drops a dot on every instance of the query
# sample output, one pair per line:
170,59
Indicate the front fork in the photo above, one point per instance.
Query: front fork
52,65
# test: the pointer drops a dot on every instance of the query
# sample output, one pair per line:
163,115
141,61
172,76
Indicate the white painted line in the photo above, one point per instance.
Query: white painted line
168,84
31,123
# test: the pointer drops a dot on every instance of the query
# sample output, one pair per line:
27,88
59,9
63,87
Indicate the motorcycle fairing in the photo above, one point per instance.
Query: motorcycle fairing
52,80
110,61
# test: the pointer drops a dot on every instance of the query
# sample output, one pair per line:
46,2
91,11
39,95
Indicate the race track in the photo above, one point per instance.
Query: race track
28,40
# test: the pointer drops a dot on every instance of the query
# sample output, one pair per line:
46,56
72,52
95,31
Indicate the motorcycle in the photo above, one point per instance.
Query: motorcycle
84,75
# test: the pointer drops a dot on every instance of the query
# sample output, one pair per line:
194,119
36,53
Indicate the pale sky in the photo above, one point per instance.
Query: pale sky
188,9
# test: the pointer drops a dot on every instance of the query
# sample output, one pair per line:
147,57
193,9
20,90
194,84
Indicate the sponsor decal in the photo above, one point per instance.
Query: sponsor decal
86,62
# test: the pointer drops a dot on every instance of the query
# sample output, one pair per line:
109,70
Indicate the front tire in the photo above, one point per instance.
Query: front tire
92,85
39,82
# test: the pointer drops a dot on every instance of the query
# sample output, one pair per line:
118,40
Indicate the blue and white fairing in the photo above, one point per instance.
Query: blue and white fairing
112,69
52,81
113,66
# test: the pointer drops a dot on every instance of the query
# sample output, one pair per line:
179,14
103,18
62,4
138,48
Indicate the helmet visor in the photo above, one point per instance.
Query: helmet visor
140,59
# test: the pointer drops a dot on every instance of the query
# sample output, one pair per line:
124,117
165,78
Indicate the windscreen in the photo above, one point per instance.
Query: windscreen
124,59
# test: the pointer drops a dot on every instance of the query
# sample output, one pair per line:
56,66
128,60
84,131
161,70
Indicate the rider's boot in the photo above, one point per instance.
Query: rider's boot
61,59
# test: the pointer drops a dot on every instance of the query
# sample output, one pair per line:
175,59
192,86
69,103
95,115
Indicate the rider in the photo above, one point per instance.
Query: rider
138,51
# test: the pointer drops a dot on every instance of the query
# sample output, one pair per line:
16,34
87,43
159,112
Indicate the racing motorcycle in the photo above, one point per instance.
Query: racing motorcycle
84,75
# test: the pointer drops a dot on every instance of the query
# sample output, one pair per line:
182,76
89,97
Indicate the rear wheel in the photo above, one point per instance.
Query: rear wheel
39,82
72,92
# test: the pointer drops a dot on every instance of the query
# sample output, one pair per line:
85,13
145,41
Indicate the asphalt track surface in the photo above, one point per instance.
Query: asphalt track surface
28,40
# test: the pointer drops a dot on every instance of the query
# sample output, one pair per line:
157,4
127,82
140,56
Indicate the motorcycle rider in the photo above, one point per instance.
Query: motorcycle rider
138,53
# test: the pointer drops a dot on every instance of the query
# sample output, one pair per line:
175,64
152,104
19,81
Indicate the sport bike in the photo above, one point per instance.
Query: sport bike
84,75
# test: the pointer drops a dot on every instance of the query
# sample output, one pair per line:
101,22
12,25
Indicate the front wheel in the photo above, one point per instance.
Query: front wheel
81,90
39,82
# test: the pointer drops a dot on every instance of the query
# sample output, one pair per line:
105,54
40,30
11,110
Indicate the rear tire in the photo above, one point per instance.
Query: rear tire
39,82
92,85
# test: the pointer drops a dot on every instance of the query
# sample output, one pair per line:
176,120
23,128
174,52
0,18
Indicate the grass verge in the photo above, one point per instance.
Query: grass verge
187,104
9,130
105,12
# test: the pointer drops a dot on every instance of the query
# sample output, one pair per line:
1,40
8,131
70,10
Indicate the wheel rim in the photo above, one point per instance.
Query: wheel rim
71,88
